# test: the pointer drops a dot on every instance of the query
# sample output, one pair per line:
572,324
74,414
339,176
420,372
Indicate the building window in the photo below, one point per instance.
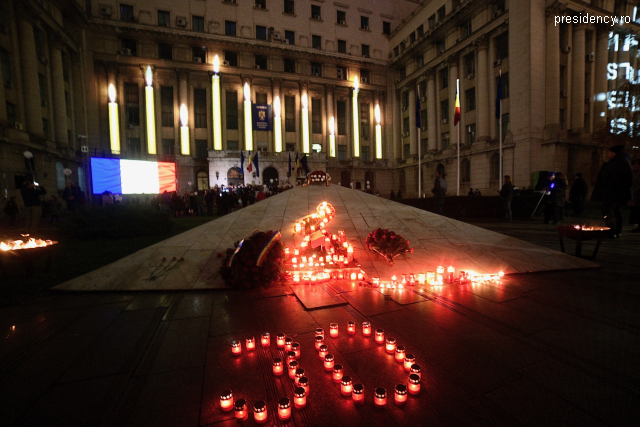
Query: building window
412,38
342,46
202,178
424,120
199,52
232,109
505,126
502,46
261,4
505,85
231,58
165,51
341,17
422,90
465,171
316,42
197,23
364,153
5,66
289,65
465,28
289,113
424,143
419,61
262,146
341,73
168,147
166,105
365,128
200,108
129,46
420,30
342,152
289,7
45,128
260,62
445,140
67,101
164,18
229,28
290,36
364,22
365,50
11,112
470,64
444,78
471,134
42,83
386,27
341,112
440,46
405,100
396,51
406,151
290,146
562,118
365,76
201,149
494,169
261,32
232,145
133,147
432,21
316,69
405,125
261,98
126,13
132,104
316,115
470,97
316,12
441,13
444,109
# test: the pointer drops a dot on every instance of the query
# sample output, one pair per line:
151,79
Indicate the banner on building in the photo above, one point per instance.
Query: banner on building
262,117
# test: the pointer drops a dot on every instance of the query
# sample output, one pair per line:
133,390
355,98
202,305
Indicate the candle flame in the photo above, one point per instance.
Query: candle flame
184,115
332,126
377,113
356,84
304,101
216,64
112,92
149,76
276,107
247,92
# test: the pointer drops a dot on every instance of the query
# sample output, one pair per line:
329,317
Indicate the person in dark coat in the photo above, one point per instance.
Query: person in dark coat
506,194
70,196
31,193
613,187
551,200
578,194
439,191
561,195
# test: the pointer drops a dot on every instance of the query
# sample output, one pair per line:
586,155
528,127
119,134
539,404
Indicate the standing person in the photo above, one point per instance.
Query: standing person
561,195
578,194
261,195
550,200
613,187
478,193
635,196
200,203
70,195
506,194
439,191
32,204
392,196
208,200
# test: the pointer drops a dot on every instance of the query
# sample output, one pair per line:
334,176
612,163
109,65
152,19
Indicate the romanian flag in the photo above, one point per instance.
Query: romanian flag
456,111
297,164
249,166
267,247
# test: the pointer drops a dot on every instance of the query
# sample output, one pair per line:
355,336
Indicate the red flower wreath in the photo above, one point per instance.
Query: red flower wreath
387,243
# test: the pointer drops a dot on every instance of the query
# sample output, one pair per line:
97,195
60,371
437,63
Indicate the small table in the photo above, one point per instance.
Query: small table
580,234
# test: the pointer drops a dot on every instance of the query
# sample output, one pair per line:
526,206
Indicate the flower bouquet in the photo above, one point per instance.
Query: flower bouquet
388,244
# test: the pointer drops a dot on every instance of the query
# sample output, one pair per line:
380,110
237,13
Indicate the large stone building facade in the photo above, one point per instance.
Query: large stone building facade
59,58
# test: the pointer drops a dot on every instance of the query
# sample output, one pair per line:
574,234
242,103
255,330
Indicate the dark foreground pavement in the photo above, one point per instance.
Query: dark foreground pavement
557,348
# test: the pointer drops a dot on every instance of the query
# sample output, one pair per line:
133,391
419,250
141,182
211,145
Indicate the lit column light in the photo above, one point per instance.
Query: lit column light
305,124
378,133
277,125
248,128
184,130
114,122
217,123
356,124
151,113
332,137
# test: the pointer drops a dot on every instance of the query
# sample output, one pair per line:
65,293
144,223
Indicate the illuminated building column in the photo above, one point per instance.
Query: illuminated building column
432,110
396,126
59,99
577,76
3,105
277,116
453,78
378,118
602,58
484,107
150,111
356,119
30,81
413,132
114,121
552,73
185,144
304,116
330,115
183,96
248,128
216,99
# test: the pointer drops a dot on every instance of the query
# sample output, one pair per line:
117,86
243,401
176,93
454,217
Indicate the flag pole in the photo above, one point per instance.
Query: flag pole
500,136
457,95
419,152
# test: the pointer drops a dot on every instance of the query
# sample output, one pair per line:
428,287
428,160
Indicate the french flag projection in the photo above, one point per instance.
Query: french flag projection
120,176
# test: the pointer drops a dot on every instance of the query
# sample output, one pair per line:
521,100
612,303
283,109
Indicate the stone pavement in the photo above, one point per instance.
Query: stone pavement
550,348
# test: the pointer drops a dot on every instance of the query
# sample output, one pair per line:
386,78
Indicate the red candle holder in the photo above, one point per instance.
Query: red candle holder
333,330
284,408
299,374
346,385
422,277
337,373
409,360
414,384
291,355
415,369
357,394
320,331
380,398
400,353
353,276
366,329
251,344
292,369
260,411
412,280
319,341
391,345
304,383
401,394
287,343
236,348
265,340
439,274
299,397
240,409
323,351
351,328
328,362
226,400
451,274
295,347
380,336
278,367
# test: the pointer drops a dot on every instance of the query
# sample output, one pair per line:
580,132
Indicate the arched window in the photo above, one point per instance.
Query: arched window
202,181
465,171
60,178
494,170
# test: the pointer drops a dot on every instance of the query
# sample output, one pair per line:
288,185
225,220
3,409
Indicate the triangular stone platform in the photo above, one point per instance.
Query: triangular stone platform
436,240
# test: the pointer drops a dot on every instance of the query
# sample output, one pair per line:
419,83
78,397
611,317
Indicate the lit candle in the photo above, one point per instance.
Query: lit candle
360,276
150,112
431,277
355,129
351,328
400,353
292,369
463,276
381,396
409,360
278,367
299,374
184,131
328,362
501,274
346,386
439,274
300,397
304,383
333,330
284,408
217,121
376,281
114,120
322,353
291,356
342,236
450,272
260,411
380,336
394,280
319,341
332,137
320,331
286,253
240,408
401,394
353,276
366,329
421,278
277,125
414,384
236,348
295,347
266,339
391,345
226,400
248,124
287,343
415,369
251,344
357,394
337,373
350,253
412,280
280,340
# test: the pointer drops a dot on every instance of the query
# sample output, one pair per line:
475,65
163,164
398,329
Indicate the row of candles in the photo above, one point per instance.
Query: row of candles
437,278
